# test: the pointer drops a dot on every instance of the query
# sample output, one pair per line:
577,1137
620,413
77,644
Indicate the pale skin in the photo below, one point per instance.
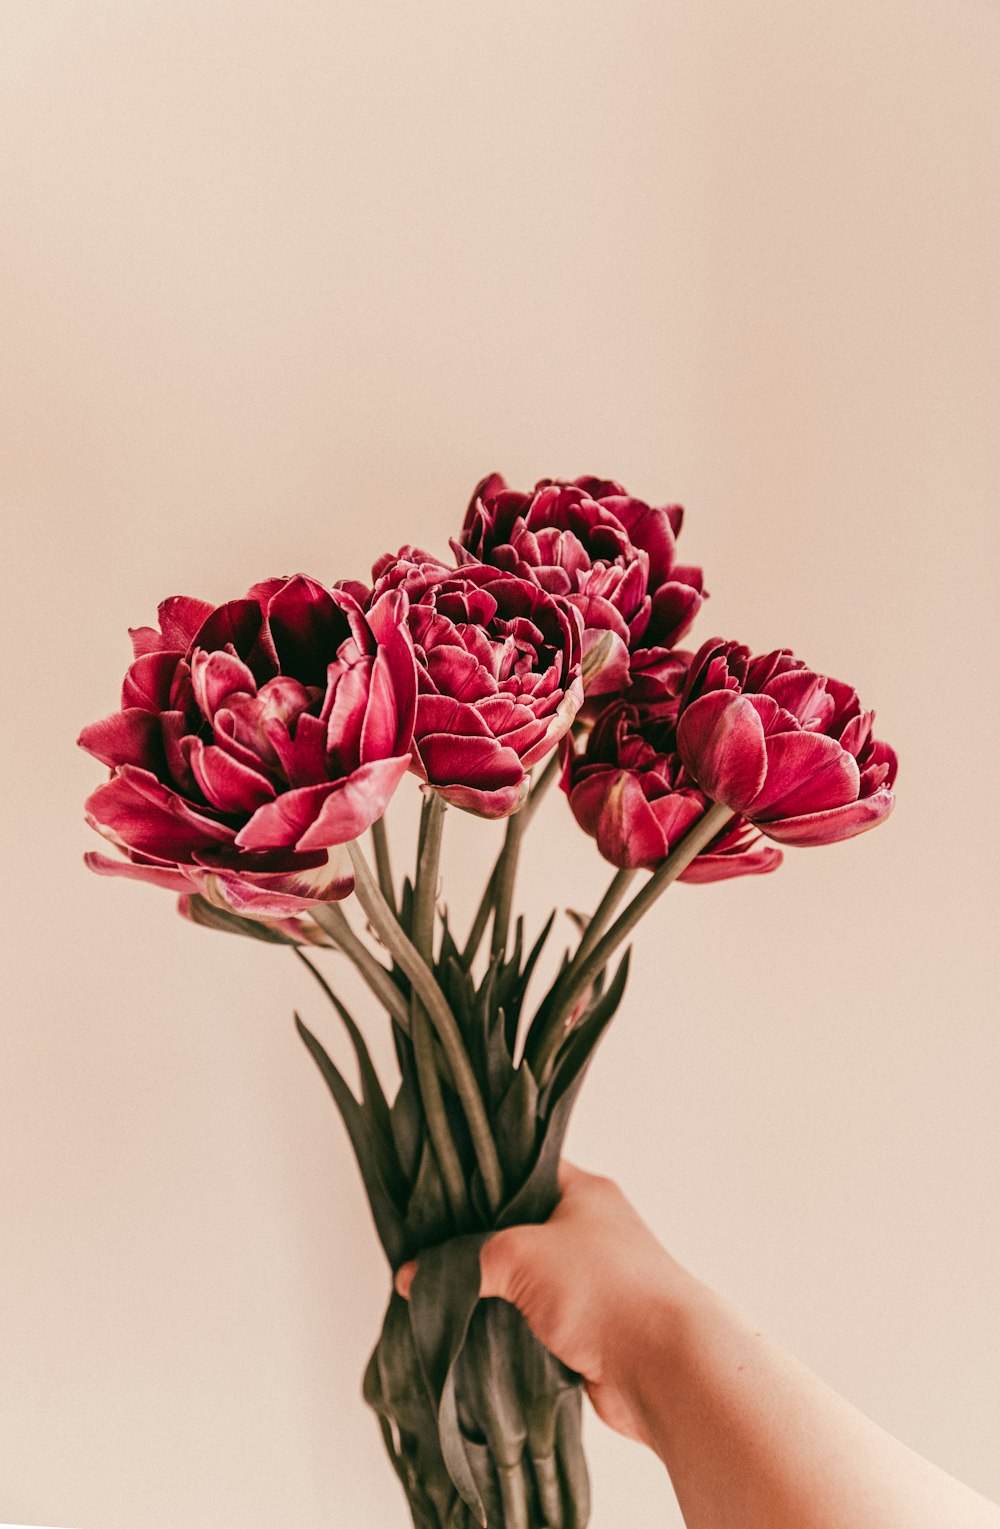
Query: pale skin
750,1437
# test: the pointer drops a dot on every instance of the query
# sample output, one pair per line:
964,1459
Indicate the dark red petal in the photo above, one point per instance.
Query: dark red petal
318,817
135,811
486,803
837,823
806,773
237,623
756,860
612,806
674,607
132,736
301,752
307,627
216,676
443,714
721,741
159,876
149,679
462,760
282,894
230,786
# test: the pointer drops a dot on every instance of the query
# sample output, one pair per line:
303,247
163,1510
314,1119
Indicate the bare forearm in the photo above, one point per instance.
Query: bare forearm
752,1440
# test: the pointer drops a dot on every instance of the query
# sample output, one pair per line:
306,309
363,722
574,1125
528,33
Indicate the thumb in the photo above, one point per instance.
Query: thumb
497,1264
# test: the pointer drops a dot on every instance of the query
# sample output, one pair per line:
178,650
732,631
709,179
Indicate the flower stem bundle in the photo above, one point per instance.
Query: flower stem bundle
251,761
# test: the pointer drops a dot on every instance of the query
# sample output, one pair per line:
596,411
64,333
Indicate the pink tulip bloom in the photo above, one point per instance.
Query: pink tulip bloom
612,556
253,741
790,750
630,791
499,677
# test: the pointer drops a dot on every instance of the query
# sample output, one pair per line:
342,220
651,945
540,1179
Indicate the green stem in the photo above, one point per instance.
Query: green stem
506,873
541,785
583,974
383,863
435,1113
441,1017
603,913
333,920
488,899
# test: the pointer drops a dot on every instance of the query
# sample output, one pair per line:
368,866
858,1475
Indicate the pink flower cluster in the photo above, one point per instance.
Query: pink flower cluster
256,739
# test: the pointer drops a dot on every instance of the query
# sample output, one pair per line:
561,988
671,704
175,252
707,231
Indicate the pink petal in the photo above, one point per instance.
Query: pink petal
179,617
834,824
805,695
721,741
159,876
132,736
229,785
624,825
559,724
481,763
302,751
216,676
149,680
605,662
443,714
283,894
318,817
486,803
806,772
136,811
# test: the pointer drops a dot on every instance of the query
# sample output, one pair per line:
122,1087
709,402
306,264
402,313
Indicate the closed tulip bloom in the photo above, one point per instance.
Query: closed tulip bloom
791,750
612,556
629,789
253,741
499,676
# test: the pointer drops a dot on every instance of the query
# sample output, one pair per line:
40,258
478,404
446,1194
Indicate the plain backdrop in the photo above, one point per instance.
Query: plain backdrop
280,283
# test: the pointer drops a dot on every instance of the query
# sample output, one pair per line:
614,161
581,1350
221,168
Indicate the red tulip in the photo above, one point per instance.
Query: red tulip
790,750
610,555
253,741
630,791
499,678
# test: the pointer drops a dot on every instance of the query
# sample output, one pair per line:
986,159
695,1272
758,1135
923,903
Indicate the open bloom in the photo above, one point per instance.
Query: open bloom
253,741
631,792
612,556
499,677
791,750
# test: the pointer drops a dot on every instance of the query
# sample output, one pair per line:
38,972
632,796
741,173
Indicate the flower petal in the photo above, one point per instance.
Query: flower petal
132,736
806,772
318,817
230,786
835,824
721,741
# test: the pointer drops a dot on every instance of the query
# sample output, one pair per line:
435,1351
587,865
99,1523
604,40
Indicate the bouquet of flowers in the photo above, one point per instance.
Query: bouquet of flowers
259,742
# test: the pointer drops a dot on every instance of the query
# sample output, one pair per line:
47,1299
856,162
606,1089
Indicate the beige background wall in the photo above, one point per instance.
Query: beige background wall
280,282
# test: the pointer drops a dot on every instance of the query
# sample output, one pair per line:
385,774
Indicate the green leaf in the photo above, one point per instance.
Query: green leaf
368,1151
582,1040
201,911
372,1094
444,1294
428,1214
517,1124
538,1195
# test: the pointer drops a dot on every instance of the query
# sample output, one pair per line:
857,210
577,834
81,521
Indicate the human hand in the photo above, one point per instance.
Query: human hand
589,1282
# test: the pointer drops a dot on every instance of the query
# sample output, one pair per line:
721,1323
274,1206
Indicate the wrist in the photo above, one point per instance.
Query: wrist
648,1341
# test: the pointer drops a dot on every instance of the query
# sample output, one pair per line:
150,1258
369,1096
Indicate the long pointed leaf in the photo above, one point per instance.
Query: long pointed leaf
385,1212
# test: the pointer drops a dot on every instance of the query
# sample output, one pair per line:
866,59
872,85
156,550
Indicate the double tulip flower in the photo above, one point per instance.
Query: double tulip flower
256,739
